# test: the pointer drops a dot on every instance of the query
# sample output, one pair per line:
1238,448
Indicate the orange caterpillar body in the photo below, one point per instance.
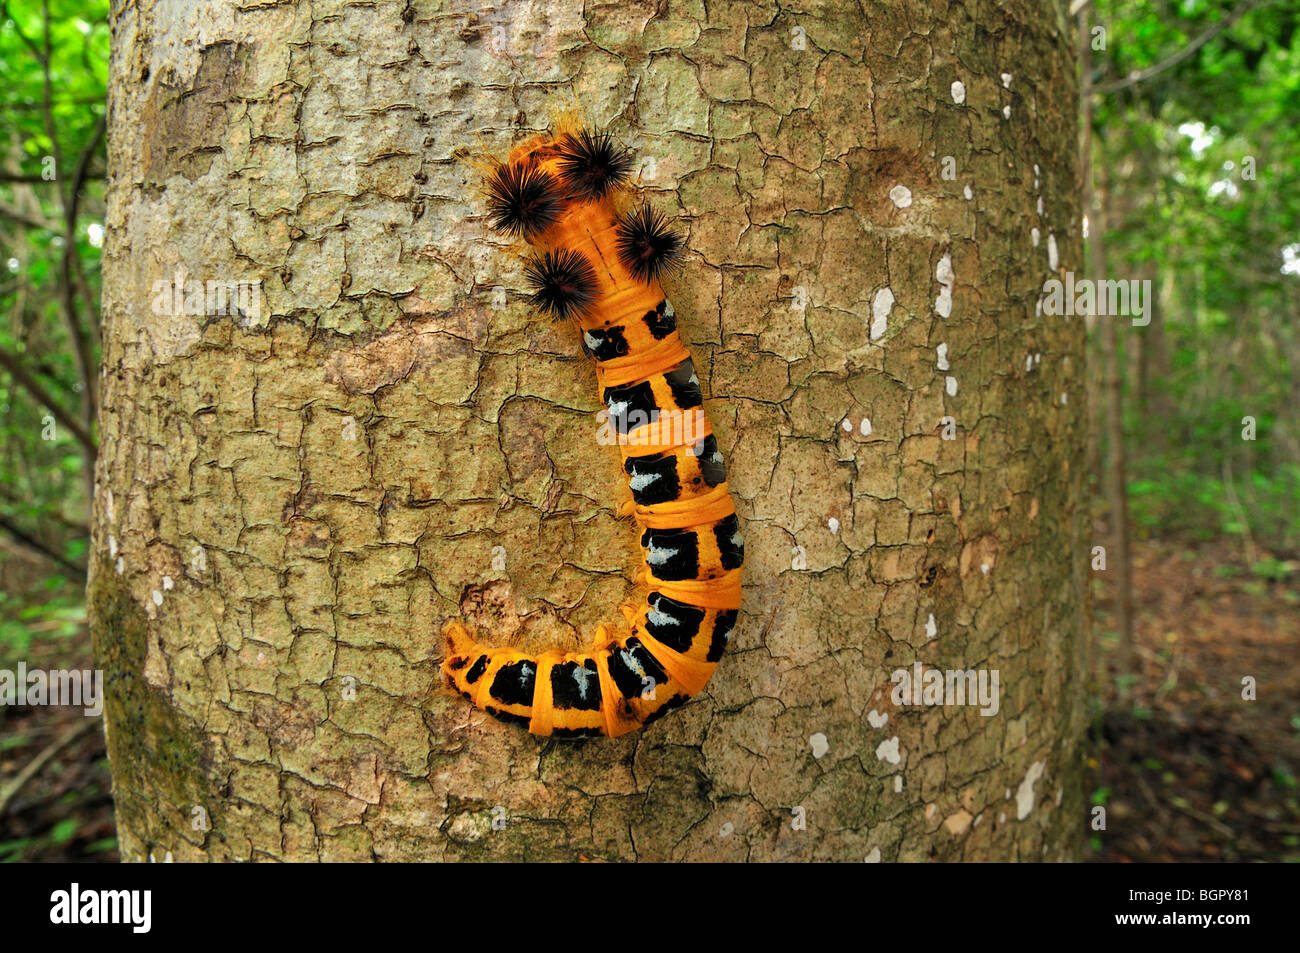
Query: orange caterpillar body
601,269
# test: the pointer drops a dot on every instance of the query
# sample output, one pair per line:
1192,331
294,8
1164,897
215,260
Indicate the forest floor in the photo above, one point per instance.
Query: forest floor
1184,766
1187,768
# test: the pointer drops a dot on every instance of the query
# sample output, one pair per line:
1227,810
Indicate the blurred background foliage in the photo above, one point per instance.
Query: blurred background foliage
1195,135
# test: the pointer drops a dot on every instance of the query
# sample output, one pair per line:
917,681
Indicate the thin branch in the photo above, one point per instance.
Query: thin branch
34,387
76,327
36,764
22,218
1139,76
40,549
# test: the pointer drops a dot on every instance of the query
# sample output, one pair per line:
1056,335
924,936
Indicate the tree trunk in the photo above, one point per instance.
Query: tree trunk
292,500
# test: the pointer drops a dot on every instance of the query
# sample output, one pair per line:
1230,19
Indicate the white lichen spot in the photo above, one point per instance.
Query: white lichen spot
1040,206
819,745
1006,80
898,784
881,305
931,627
1035,235
1059,793
157,597
1025,793
1035,168
1029,362
888,751
958,92
968,193
876,719
943,272
1053,259
120,565
873,857
1038,358
950,385
943,303
901,196
1006,111
847,425
727,829
833,525
941,353
985,567
864,428
168,585
1064,399
1002,817
108,506
112,546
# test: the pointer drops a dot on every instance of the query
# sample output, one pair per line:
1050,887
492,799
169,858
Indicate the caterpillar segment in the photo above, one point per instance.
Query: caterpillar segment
600,268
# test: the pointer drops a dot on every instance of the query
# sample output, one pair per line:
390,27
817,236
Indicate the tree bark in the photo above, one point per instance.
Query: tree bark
291,504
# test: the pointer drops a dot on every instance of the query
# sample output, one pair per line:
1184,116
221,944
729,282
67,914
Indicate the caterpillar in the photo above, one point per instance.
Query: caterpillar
597,262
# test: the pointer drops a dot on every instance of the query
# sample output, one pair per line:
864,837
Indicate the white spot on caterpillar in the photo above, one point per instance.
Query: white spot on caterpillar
1053,259
1035,168
881,305
1006,112
1006,80
1064,399
819,745
658,617
984,568
864,428
950,385
120,565
657,556
1038,358
958,92
582,678
888,751
942,353
874,856
630,661
876,719
833,525
1025,793
901,196
640,481
1029,362
112,546
1035,235
931,627
1040,206
968,193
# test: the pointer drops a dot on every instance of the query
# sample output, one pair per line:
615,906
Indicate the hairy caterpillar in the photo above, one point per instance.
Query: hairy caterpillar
601,268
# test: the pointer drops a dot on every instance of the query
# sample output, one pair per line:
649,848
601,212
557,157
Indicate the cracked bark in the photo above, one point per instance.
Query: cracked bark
299,502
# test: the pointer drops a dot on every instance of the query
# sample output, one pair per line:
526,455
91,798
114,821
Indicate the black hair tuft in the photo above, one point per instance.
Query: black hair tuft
592,163
564,283
522,201
647,247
